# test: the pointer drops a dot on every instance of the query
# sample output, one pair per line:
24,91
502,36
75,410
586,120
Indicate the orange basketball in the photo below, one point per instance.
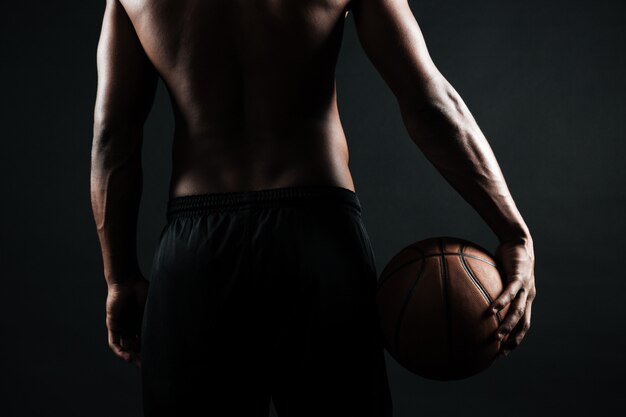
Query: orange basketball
433,298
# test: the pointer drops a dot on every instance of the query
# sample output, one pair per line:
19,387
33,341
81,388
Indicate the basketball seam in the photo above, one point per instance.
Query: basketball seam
384,276
444,281
457,240
403,308
469,255
475,280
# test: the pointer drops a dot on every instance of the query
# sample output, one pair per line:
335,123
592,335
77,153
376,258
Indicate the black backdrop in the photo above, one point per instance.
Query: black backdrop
544,80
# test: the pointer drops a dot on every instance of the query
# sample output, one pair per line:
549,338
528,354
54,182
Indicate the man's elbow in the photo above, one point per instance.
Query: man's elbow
439,113
114,134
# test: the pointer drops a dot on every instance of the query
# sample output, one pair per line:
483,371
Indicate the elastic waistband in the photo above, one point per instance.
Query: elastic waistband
198,204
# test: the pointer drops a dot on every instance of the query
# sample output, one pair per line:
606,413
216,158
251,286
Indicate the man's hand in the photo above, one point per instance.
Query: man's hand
517,260
124,314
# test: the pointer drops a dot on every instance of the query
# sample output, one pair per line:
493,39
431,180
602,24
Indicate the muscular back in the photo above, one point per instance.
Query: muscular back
252,88
253,92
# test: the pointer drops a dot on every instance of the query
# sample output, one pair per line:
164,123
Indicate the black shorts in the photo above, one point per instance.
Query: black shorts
259,294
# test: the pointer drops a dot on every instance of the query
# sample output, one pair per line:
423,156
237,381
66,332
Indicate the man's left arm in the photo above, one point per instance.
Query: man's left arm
126,88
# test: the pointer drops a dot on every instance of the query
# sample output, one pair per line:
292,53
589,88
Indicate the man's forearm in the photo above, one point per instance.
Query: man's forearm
116,186
445,131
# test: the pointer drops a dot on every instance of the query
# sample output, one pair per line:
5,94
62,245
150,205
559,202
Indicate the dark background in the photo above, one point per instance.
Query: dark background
545,81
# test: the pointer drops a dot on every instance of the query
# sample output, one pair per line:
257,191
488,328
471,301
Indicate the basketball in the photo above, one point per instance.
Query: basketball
432,299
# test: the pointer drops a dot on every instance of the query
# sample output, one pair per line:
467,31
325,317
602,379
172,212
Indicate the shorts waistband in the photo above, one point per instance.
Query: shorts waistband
198,204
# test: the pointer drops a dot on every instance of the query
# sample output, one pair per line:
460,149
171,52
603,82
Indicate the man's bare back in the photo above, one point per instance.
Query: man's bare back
253,90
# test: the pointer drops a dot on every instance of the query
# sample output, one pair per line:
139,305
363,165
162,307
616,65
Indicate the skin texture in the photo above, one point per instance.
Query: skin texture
252,88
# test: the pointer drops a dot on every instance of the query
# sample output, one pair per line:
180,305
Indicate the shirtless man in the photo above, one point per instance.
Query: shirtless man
263,279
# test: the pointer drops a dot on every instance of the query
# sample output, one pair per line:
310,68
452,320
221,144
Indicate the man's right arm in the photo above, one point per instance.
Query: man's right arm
441,125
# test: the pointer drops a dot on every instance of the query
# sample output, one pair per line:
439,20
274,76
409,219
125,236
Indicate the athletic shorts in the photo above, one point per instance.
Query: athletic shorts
264,294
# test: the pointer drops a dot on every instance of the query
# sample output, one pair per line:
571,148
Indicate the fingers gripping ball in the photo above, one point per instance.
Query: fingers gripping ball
433,300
